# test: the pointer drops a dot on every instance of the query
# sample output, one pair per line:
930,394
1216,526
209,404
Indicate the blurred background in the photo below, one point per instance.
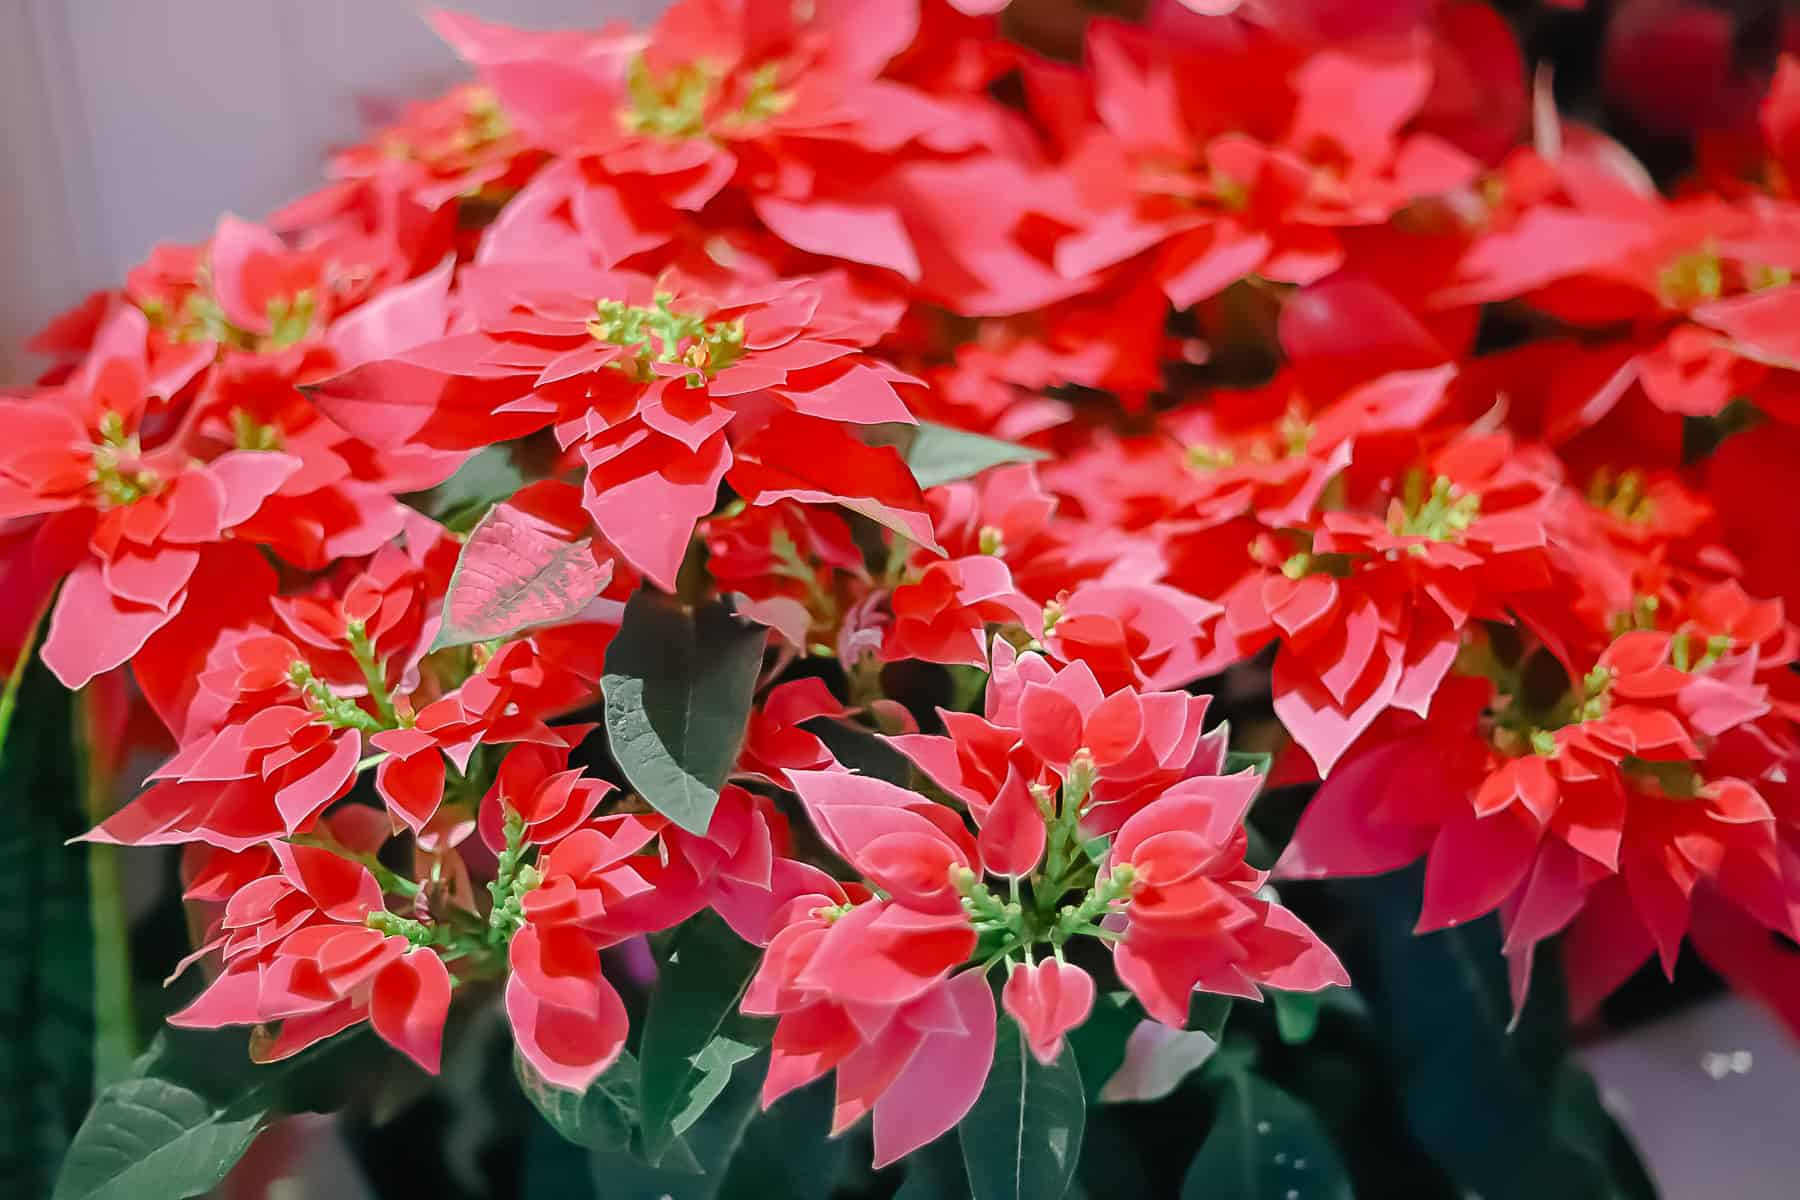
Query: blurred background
126,122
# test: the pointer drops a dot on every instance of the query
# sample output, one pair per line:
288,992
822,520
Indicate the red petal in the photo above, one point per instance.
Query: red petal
872,234
92,632
408,1004
943,1078
412,787
1012,833
569,1049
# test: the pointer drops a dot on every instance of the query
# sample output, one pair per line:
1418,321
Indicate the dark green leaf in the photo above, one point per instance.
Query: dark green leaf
1158,1060
968,687
1023,1136
939,454
787,1152
1296,1015
1114,1151
1119,1067
600,1118
1468,1094
862,751
489,476
150,1137
1207,1012
708,1070
710,1147
693,1033
1260,852
934,1172
1581,1123
678,688
1233,1055
1099,1041
1254,760
1265,1145
1273,818
46,947
1476,1092
190,1109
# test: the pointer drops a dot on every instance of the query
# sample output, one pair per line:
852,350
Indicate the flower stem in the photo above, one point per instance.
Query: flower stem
9,697
364,652
508,912
115,1036
389,880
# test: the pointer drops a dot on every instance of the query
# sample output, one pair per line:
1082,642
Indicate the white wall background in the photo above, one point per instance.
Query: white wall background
126,122
1709,1097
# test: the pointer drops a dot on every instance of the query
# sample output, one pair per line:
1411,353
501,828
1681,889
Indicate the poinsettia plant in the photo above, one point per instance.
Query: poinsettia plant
844,601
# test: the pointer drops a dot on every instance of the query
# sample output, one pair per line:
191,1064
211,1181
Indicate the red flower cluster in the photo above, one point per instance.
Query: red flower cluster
1252,330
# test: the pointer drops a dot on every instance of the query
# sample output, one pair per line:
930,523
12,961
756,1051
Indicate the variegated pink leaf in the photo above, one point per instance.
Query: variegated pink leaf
513,575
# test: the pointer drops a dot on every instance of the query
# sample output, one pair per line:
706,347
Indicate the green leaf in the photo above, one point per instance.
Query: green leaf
968,687
710,1067
1580,1122
1255,760
1099,1041
934,1172
600,1118
1117,1159
1265,1145
1296,1015
1023,1136
787,1152
46,942
1470,1092
693,1033
862,751
1158,1060
150,1137
678,687
1118,1067
712,1144
939,454
1477,1093
1207,1013
191,1107
489,476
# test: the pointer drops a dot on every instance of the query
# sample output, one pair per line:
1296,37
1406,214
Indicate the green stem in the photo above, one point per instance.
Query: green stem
508,912
115,1036
389,880
1063,861
416,932
9,698
865,680
899,550
364,653
1072,919
340,712
1060,874
987,964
